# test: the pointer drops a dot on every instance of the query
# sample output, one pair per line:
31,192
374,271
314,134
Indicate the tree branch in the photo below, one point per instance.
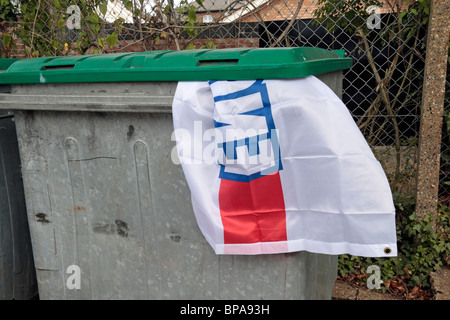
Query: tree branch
294,17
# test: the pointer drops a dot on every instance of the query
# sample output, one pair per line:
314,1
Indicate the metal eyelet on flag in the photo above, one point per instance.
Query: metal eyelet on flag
387,250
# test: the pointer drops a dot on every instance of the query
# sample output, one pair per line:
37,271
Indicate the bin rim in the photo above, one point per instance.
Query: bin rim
170,65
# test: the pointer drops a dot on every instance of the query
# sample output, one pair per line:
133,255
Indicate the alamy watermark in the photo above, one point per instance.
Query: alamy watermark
374,20
232,146
74,280
374,281
74,20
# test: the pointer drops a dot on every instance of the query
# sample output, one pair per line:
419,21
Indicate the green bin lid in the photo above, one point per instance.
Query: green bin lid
5,63
188,65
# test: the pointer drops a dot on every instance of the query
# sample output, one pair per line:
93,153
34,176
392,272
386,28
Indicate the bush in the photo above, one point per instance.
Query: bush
423,247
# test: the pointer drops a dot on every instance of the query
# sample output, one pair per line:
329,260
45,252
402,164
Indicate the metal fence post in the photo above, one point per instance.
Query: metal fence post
432,108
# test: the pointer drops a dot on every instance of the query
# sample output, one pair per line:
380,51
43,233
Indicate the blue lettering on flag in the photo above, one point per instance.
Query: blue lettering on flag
251,143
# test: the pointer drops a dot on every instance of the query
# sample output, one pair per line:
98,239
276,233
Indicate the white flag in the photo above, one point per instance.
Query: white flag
280,166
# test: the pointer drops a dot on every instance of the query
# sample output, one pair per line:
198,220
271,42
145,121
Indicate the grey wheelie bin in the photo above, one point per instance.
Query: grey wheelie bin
17,272
110,214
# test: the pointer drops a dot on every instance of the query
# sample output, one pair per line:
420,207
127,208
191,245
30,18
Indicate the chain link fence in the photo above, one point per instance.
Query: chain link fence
385,38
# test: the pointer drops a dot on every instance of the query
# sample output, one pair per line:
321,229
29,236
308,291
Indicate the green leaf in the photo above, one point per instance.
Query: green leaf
112,39
96,28
103,7
57,5
61,23
101,42
210,45
6,39
401,15
128,4
192,15
93,18
55,44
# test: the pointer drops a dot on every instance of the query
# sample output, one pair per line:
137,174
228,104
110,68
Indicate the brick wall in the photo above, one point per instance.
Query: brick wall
275,10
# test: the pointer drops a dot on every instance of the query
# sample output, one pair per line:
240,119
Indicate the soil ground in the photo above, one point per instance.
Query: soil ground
440,282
